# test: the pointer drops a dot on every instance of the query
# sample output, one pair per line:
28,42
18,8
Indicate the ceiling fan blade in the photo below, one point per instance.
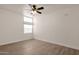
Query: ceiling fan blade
40,8
39,12
34,6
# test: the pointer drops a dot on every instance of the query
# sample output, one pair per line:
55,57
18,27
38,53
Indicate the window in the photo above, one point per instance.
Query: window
27,24
27,20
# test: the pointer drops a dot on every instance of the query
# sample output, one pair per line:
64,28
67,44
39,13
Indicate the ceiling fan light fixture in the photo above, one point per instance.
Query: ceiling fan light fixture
33,12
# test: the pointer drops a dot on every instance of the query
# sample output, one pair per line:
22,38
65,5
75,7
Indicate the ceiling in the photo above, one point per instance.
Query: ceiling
48,8
13,8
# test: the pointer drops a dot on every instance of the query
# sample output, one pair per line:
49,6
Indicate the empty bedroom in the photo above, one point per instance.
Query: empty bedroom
39,29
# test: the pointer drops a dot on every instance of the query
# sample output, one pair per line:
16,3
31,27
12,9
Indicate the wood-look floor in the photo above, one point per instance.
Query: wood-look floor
36,47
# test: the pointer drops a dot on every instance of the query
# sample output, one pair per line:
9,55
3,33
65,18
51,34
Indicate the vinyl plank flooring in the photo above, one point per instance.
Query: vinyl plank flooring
36,47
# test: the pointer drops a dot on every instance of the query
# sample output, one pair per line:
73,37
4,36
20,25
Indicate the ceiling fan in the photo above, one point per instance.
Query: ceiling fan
35,9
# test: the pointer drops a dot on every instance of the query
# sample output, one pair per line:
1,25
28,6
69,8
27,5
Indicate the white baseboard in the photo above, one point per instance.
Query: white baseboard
65,45
10,42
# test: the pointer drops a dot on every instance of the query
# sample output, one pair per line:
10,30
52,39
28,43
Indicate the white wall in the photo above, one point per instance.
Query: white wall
60,26
11,24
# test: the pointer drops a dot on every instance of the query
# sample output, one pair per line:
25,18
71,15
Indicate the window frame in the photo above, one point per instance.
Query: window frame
28,23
